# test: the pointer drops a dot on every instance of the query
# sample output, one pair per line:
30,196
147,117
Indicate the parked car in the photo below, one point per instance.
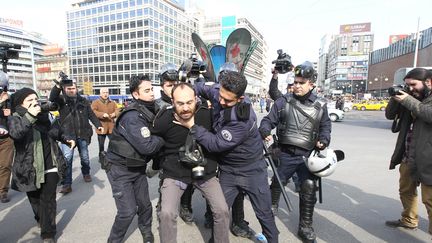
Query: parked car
335,114
370,105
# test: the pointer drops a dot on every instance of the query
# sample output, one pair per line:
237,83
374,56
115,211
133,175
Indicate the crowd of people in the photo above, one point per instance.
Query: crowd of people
198,136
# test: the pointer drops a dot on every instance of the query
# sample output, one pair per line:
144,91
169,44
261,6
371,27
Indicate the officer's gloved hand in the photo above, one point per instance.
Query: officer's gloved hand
264,134
320,145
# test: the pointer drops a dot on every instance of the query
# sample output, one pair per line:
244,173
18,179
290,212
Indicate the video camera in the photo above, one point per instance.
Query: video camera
6,53
191,68
64,80
395,90
283,62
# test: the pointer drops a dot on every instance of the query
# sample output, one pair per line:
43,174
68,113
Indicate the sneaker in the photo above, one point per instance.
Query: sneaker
398,223
242,230
48,240
4,198
87,178
186,215
66,189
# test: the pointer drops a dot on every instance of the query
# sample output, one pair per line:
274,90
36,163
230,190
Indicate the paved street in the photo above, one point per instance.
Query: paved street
357,198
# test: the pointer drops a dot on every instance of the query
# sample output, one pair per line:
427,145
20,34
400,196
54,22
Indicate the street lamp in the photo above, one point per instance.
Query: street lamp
381,77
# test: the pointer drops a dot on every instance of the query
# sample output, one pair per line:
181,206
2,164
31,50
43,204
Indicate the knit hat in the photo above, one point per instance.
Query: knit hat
19,96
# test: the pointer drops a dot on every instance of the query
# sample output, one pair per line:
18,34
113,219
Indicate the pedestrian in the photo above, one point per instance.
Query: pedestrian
262,104
413,148
6,143
38,161
238,144
181,169
130,148
106,111
298,140
75,113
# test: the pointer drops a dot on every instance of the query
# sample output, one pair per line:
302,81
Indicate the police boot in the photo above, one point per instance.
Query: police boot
307,204
239,226
146,234
186,205
275,195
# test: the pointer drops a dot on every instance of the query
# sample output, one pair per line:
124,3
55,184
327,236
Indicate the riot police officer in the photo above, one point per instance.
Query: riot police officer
236,139
302,125
129,150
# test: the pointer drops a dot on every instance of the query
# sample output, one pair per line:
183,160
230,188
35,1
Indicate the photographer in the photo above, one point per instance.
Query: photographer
297,141
75,112
6,143
178,174
38,162
412,108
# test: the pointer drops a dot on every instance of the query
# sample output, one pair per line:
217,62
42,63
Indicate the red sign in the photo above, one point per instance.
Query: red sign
43,69
395,38
355,28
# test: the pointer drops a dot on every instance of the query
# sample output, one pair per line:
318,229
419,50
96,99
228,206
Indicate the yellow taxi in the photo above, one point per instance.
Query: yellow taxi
370,105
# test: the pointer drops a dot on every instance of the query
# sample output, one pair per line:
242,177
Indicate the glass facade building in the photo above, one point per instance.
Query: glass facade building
110,40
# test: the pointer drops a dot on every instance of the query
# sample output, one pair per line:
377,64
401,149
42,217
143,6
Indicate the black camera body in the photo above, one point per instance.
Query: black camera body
192,156
47,106
191,68
6,53
283,62
65,81
394,90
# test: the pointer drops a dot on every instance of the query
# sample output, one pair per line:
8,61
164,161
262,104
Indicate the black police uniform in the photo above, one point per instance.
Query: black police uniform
129,150
300,122
241,162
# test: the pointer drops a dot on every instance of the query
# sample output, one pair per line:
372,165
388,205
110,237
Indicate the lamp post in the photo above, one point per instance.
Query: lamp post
381,77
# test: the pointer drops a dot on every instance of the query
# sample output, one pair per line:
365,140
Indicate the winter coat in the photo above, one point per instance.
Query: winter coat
29,160
420,153
402,121
75,115
100,107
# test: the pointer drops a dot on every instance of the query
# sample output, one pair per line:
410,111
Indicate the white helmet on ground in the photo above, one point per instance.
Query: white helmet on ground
324,165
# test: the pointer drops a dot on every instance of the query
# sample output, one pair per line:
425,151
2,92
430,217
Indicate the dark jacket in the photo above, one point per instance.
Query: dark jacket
175,137
273,119
420,153
75,114
274,91
402,121
36,149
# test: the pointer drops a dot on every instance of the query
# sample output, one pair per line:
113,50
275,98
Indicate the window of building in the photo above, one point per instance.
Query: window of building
120,67
113,58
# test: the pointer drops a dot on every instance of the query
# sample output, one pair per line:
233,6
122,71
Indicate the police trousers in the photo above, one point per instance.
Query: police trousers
172,190
255,185
130,191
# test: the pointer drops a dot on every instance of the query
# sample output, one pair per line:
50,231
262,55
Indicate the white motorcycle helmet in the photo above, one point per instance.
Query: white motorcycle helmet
324,165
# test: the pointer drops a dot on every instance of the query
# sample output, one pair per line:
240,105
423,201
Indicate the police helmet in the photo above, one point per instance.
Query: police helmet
4,81
324,165
168,72
305,70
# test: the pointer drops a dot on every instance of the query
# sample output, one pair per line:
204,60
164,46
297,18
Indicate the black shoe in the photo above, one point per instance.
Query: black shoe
148,237
306,234
186,215
242,230
4,198
398,223
48,240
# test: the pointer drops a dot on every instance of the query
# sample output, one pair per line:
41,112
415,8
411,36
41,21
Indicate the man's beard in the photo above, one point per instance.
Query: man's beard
182,114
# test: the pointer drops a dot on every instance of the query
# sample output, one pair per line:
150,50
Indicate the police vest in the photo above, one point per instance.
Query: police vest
160,104
120,146
299,123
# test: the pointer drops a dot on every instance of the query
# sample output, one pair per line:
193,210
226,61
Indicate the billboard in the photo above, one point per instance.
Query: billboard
396,38
355,28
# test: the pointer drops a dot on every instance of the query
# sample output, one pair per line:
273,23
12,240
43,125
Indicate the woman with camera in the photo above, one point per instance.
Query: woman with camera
38,161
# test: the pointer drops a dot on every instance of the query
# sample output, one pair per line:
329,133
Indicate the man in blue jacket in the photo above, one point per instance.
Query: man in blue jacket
236,139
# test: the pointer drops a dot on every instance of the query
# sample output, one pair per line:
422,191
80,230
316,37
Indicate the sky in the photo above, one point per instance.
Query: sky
294,26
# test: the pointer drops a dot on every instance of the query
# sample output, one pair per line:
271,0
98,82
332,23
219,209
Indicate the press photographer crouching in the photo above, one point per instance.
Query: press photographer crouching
38,162
411,107
75,113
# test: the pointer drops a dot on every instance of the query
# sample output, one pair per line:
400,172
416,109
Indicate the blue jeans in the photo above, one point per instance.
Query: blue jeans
84,156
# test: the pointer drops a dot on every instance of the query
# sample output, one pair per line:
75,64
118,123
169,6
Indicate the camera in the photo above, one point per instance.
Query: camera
191,68
47,106
6,53
192,156
394,90
64,80
283,62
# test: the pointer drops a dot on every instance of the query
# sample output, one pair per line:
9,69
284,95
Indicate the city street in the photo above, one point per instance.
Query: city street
357,198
